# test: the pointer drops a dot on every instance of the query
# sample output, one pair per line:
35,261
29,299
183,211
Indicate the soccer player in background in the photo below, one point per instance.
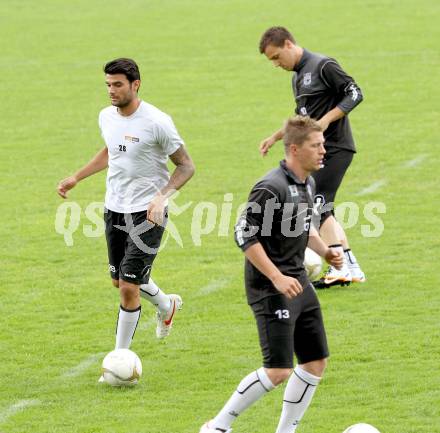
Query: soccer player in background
139,139
323,91
274,231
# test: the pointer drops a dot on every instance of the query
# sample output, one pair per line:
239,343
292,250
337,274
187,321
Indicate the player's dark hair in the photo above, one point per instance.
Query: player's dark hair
275,36
128,67
297,130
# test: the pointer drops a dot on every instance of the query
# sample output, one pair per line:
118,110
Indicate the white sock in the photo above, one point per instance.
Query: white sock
126,326
153,294
297,397
350,257
250,389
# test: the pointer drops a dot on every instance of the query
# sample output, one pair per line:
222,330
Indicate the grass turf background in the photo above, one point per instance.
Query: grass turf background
199,62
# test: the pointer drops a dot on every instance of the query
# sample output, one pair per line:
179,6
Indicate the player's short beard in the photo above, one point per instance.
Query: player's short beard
123,103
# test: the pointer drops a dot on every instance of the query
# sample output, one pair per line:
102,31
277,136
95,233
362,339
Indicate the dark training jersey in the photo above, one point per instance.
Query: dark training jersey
319,85
278,216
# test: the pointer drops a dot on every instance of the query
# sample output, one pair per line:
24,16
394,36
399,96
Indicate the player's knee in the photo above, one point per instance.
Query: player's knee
316,368
278,375
115,283
127,290
321,365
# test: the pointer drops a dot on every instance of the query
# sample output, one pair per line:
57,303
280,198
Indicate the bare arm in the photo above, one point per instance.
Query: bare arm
331,116
268,142
316,243
182,173
98,163
286,285
331,255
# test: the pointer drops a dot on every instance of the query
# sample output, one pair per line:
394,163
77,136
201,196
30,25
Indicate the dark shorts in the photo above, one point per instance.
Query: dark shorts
132,244
329,178
290,326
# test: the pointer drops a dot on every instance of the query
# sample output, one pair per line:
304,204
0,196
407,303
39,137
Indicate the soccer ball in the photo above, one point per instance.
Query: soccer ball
312,263
361,428
121,367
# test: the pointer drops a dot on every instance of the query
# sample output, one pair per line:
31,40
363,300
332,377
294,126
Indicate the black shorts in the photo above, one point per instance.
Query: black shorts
329,178
290,326
132,244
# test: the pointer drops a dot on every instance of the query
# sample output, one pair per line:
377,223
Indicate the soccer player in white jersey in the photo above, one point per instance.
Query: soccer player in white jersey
139,140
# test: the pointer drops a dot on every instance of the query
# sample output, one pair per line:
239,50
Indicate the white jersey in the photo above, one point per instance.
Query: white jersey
138,149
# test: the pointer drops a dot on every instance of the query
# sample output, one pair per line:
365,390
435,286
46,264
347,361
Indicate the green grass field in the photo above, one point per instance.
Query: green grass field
200,63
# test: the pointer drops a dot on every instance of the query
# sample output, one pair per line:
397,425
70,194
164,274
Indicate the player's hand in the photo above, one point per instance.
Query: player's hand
288,286
266,144
66,185
156,210
334,257
323,124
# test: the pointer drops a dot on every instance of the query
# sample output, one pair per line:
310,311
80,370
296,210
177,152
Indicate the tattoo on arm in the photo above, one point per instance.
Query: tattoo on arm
183,171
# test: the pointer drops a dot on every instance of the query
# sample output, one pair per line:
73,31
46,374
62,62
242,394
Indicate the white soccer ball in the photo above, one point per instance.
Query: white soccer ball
313,264
121,367
361,428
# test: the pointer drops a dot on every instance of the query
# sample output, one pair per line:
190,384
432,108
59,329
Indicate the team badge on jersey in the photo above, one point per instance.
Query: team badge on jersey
307,79
131,139
293,191
318,203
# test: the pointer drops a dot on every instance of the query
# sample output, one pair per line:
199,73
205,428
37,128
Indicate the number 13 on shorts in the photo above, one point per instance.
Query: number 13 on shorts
282,314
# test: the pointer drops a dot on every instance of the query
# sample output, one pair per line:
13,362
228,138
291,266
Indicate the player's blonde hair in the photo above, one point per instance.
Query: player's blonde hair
297,130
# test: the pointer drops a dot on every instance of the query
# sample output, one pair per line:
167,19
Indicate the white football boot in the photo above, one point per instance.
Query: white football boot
357,276
334,276
165,320
206,428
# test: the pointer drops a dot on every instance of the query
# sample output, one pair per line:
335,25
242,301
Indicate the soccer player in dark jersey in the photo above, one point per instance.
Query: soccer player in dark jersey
273,232
323,91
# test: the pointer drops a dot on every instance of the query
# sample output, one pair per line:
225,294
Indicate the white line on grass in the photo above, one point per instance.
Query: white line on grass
17,407
416,161
83,365
142,326
373,187
213,286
